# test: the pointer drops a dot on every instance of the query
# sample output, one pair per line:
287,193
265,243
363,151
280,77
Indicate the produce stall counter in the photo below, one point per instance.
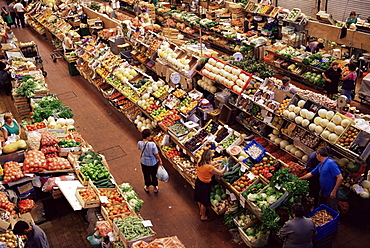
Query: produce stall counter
68,188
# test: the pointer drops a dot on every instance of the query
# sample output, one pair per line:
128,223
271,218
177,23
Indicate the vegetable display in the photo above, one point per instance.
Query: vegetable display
131,197
50,106
28,86
92,168
6,204
321,217
12,171
218,197
57,163
34,162
26,205
132,228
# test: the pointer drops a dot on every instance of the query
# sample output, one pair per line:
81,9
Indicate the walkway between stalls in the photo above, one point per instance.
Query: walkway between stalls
172,211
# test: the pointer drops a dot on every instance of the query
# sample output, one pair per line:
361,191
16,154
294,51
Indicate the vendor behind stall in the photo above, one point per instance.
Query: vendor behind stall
287,87
248,23
352,19
68,43
10,127
315,46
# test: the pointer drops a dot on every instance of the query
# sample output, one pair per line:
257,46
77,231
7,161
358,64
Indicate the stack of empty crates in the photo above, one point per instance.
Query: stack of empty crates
237,11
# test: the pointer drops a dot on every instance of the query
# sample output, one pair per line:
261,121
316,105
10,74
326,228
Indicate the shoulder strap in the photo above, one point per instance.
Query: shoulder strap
143,149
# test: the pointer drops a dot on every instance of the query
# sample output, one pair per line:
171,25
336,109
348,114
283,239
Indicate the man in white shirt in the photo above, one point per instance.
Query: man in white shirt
19,11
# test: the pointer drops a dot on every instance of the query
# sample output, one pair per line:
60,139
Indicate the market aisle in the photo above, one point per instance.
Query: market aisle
172,211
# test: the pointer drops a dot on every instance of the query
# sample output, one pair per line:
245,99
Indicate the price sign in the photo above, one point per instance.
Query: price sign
277,187
227,192
192,159
147,223
103,199
359,190
238,56
184,151
242,201
177,147
243,168
251,176
218,150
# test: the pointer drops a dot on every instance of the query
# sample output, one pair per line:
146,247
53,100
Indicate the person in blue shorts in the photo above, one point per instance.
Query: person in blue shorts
330,178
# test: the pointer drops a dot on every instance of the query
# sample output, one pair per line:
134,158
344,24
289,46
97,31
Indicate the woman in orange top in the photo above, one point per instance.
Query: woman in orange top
205,172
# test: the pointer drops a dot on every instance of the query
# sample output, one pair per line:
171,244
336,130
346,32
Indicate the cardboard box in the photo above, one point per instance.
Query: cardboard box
27,217
4,224
25,188
56,193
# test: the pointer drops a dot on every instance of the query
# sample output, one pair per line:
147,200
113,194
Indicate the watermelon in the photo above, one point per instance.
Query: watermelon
216,203
352,167
223,196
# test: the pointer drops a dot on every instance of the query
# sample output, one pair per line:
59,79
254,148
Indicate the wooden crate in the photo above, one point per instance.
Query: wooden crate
87,204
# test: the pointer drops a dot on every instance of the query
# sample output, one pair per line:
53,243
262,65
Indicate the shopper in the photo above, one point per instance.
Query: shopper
205,172
6,17
10,35
19,13
36,237
330,178
352,19
13,14
286,86
248,23
315,46
332,77
349,82
298,232
11,126
149,161
5,82
68,43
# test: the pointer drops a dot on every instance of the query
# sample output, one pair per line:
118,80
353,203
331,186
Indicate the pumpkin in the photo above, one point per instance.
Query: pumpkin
13,147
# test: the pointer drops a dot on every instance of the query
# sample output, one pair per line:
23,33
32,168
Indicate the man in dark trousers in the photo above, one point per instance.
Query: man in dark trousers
36,237
330,178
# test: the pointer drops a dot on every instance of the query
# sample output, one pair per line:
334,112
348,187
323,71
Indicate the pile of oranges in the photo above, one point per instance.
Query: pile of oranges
283,106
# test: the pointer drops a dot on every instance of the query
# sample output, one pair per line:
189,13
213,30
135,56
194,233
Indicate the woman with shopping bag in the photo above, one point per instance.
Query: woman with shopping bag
149,160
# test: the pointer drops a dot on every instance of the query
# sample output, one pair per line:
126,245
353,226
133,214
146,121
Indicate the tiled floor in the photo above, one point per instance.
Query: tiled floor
172,211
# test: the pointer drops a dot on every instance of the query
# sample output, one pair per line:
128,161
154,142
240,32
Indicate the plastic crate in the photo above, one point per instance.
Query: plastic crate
329,227
254,143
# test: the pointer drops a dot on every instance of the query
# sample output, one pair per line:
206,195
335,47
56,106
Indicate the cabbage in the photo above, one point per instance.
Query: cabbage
252,197
271,199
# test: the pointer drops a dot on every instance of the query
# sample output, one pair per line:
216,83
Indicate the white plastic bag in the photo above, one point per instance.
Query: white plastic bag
162,174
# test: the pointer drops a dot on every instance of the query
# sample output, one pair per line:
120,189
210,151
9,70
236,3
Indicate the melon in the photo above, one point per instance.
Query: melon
293,150
273,137
331,126
276,132
289,147
301,103
317,120
305,122
297,110
325,134
336,119
278,140
333,137
310,115
305,158
303,113
345,123
291,115
318,129
329,115
298,120
312,127
299,154
338,130
343,162
322,113
284,143
291,108
286,113
324,122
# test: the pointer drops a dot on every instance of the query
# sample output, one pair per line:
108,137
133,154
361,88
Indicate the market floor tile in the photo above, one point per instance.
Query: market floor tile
172,211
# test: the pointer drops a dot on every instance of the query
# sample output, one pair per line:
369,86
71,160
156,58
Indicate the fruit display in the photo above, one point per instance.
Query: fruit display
196,141
183,162
348,137
228,141
265,168
179,93
113,196
160,113
35,126
283,106
299,113
207,84
252,88
305,137
294,14
161,91
115,209
125,74
231,77
321,121
277,122
144,123
243,183
88,195
212,127
9,238
187,105
335,128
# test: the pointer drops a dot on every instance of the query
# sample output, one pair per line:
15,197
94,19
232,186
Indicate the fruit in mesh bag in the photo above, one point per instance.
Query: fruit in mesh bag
6,204
57,163
12,171
26,205
48,139
34,162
